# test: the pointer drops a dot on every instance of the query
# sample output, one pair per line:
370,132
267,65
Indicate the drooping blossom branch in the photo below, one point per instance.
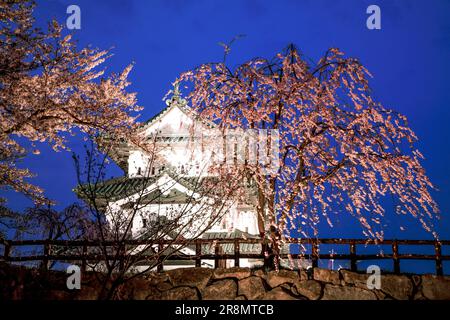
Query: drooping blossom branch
340,151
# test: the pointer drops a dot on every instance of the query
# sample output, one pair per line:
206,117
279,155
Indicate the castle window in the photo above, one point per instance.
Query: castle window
139,171
144,223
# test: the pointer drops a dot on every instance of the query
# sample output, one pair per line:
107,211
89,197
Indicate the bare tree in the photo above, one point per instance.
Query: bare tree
8,221
146,208
46,223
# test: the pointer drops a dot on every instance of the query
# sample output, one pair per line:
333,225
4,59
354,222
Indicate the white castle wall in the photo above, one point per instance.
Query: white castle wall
189,159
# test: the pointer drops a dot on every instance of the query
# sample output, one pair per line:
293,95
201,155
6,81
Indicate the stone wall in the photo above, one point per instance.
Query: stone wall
231,284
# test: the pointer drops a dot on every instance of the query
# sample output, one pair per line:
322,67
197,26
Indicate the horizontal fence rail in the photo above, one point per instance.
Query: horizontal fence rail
266,254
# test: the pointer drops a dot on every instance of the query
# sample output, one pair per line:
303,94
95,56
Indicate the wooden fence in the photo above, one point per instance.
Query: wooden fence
313,254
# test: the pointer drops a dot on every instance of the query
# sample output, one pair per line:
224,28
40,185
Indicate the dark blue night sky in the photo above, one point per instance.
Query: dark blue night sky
408,57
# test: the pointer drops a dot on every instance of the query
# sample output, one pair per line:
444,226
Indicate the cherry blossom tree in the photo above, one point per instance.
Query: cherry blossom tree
49,90
341,152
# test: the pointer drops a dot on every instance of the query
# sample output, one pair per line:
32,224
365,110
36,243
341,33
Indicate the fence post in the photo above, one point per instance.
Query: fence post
437,249
236,252
160,266
216,253
315,253
83,260
198,253
7,251
395,257
45,261
353,266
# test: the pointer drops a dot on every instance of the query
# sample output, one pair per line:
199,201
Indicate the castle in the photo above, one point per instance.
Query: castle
179,165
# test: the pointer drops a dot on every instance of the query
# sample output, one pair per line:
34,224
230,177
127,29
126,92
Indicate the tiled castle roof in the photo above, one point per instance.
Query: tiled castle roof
122,187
